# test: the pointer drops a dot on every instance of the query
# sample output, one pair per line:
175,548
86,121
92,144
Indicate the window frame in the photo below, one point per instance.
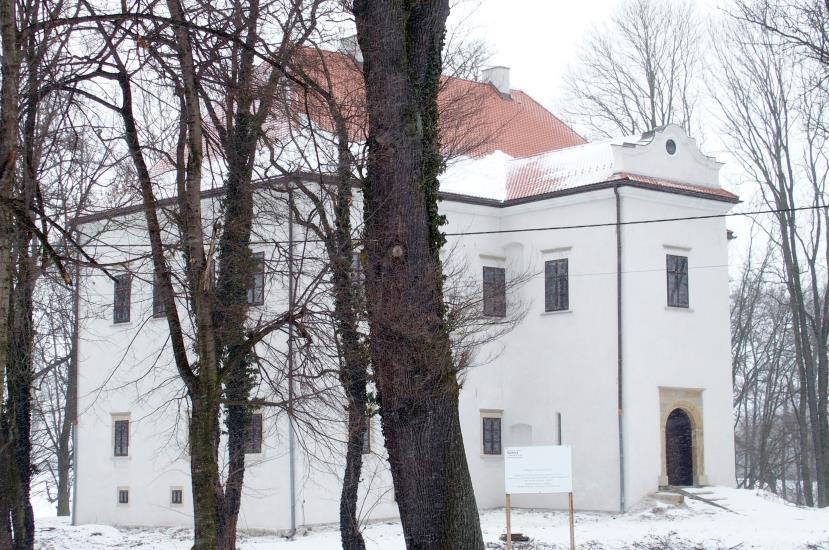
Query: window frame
358,274
365,447
122,491
159,310
116,421
491,415
553,280
494,291
121,299
675,278
255,447
256,292
173,491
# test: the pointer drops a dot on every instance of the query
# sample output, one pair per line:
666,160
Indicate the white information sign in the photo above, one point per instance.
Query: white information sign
540,469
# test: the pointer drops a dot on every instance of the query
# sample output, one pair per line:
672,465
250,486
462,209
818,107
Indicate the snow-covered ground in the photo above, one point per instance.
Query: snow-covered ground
755,520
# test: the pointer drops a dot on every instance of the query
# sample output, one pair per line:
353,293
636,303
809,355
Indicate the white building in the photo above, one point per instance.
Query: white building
623,354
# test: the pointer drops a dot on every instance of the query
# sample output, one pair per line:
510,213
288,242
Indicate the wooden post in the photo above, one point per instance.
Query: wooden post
572,522
509,524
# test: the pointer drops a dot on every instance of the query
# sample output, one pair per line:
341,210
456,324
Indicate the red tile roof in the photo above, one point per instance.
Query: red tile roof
476,120
530,180
682,187
517,125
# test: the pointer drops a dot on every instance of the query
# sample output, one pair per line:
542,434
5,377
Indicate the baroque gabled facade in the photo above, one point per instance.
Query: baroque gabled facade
622,351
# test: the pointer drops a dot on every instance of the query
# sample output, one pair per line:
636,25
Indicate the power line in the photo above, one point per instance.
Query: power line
530,229
533,275
636,222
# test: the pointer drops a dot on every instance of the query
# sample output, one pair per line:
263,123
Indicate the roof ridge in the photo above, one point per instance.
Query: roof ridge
562,149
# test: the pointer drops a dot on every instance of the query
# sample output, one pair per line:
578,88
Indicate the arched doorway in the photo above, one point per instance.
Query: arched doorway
679,449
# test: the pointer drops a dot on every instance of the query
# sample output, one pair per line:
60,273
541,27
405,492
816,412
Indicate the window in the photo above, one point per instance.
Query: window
122,437
495,292
491,433
256,292
677,269
253,442
176,496
158,303
357,273
556,285
121,307
213,276
367,436
189,438
123,496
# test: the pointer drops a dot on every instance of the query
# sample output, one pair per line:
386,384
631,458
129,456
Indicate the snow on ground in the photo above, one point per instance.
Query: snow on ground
757,520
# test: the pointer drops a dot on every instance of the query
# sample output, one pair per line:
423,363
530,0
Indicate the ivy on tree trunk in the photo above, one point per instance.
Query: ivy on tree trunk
401,41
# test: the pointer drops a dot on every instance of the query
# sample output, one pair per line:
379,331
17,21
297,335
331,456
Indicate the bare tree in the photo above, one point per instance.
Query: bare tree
71,174
773,119
638,72
772,445
802,24
332,116
209,71
34,68
9,109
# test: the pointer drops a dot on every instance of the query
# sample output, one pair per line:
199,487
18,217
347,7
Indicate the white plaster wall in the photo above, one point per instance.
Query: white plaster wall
557,363
687,164
674,347
560,362
127,368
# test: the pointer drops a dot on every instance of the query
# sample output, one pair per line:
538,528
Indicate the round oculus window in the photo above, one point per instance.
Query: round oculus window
670,146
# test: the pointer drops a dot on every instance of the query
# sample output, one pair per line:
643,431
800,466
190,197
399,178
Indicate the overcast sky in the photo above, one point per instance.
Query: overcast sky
538,39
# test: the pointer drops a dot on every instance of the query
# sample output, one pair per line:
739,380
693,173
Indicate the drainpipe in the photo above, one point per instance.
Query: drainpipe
619,341
291,449
72,394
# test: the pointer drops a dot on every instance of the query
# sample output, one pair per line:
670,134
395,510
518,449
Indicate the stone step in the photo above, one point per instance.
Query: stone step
700,491
516,537
699,497
668,497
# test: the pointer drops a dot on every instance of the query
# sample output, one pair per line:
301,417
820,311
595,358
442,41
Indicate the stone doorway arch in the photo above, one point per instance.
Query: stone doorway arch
682,436
679,449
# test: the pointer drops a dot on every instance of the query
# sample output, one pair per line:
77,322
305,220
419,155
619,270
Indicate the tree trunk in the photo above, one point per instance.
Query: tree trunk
19,406
6,542
803,432
64,452
10,66
823,417
204,472
804,351
70,418
410,348
353,371
19,376
348,303
235,272
237,389
352,537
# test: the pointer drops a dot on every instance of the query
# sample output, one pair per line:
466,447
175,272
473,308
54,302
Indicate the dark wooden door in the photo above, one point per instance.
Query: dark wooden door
679,449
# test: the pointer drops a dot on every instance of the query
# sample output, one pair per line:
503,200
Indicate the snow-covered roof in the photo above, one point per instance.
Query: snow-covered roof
666,158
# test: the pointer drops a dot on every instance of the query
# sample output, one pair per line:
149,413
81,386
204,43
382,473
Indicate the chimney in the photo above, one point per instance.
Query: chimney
498,77
351,47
